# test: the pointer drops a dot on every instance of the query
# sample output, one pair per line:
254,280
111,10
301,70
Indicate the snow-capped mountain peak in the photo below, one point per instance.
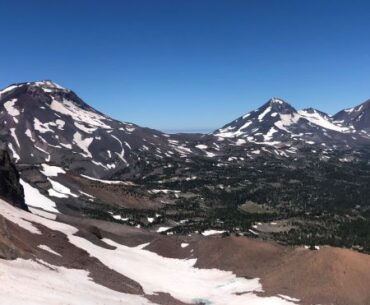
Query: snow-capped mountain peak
47,85
274,114
277,105
277,101
45,122
277,122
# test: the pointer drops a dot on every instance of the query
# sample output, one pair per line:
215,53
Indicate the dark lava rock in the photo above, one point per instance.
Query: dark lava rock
10,188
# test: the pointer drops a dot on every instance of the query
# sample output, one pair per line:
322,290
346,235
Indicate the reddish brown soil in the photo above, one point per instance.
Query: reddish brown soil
328,276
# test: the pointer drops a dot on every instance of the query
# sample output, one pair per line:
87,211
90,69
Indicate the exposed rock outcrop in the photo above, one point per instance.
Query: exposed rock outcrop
10,188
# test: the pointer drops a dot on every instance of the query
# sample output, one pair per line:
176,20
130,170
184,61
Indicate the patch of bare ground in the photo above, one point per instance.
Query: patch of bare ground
8,249
327,276
121,233
170,246
114,194
164,299
244,256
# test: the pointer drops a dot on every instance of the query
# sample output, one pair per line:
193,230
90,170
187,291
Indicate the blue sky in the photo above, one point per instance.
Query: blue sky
191,64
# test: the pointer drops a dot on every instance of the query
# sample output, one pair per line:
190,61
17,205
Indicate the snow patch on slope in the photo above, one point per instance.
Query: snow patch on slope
317,119
51,171
14,152
34,198
286,120
59,190
78,114
14,135
83,144
9,106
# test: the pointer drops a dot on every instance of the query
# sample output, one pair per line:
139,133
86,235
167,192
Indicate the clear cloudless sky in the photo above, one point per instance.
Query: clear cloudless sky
190,64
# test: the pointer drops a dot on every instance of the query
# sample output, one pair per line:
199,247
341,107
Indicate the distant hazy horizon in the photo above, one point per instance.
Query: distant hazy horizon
190,130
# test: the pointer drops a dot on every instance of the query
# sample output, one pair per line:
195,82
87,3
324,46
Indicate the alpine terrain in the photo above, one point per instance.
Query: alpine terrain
272,208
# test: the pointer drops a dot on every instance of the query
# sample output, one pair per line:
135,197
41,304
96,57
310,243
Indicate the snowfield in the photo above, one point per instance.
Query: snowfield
318,119
78,114
45,284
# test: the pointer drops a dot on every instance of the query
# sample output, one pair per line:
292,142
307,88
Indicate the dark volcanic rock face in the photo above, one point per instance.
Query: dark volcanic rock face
10,188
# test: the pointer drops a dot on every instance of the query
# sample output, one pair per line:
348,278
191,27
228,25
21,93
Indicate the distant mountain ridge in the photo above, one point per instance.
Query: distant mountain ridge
43,122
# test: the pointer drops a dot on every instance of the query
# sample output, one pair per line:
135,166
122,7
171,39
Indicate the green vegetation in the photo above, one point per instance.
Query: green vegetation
327,202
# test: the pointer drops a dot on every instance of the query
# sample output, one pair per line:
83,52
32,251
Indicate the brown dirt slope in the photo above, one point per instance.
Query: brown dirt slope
328,276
